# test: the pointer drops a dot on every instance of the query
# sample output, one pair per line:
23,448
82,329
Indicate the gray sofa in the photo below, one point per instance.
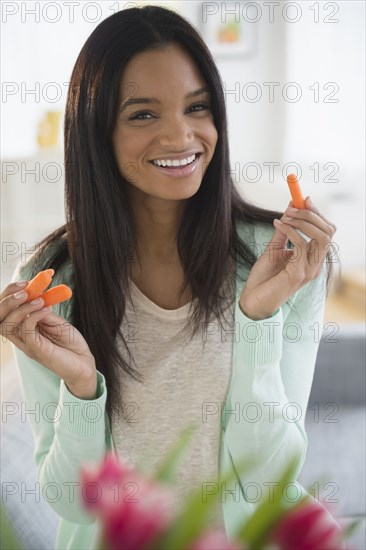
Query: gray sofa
335,425
334,467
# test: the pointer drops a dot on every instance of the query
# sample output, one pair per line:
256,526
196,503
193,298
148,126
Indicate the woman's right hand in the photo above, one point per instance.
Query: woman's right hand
48,339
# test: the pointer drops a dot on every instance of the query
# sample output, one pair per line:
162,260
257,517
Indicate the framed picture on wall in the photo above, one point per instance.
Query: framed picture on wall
228,28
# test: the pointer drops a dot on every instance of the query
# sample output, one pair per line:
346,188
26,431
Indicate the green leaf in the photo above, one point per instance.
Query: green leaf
189,524
195,514
8,539
255,531
351,528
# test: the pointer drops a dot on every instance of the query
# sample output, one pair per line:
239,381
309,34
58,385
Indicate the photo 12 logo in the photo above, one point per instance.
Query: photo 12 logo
253,12
54,12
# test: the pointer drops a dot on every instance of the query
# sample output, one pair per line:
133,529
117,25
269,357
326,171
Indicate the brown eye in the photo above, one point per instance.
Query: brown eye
199,107
143,115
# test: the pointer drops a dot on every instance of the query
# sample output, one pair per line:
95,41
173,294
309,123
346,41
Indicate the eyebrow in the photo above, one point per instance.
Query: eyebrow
139,100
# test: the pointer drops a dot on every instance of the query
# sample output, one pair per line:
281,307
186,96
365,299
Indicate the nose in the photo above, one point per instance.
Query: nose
176,133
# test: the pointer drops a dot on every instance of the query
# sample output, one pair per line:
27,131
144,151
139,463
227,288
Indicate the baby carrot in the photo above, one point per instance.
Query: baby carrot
56,294
295,191
39,283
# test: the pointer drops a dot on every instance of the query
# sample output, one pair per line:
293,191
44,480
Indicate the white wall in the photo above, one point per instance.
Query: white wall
36,54
332,132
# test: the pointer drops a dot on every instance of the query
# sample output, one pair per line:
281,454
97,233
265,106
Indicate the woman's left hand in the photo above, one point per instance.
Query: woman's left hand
280,272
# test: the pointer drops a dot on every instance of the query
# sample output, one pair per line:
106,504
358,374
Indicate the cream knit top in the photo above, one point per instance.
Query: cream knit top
184,383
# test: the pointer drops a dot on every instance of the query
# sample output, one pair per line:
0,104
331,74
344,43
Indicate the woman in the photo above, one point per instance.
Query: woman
157,235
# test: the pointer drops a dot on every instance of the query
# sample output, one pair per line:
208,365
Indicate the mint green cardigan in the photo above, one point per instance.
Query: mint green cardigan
273,368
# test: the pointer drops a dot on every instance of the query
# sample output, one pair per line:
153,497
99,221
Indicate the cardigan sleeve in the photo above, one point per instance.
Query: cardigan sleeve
274,362
67,431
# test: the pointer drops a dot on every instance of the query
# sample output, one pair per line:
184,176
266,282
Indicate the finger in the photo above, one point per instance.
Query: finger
22,336
29,324
12,288
53,330
16,309
57,329
291,234
311,206
11,300
287,253
311,253
52,318
312,228
319,239
285,256
273,249
54,322
313,216
277,241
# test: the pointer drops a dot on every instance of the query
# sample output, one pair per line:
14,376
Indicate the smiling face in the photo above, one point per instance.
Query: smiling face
165,135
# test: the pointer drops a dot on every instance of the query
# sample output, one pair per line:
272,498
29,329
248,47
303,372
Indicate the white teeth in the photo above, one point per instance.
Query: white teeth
175,162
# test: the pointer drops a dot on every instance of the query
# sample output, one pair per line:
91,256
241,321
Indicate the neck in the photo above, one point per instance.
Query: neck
156,223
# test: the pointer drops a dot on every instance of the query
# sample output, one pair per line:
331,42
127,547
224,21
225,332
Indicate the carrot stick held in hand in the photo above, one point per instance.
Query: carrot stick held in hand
39,283
44,336
295,191
56,294
52,296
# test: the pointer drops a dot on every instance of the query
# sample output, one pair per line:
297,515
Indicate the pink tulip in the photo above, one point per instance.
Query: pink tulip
215,540
133,509
135,524
101,484
309,526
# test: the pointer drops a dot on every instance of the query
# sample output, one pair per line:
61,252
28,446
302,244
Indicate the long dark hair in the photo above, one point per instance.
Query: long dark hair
98,236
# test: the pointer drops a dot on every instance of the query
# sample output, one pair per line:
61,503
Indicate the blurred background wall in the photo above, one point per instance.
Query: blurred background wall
294,77
294,97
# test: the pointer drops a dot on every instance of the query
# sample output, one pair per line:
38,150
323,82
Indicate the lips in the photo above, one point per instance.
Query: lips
180,170
176,161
